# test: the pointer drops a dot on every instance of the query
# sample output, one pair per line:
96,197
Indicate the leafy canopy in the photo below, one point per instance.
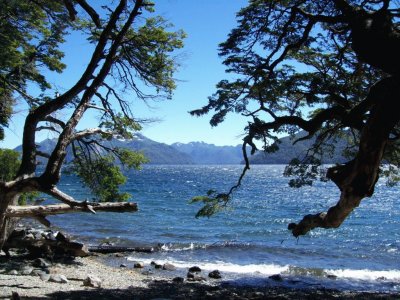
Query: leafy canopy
306,66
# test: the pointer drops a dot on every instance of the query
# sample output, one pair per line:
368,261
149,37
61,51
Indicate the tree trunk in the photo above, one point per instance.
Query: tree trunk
357,178
7,225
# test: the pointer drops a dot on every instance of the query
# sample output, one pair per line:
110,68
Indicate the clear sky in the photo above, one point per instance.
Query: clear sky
207,23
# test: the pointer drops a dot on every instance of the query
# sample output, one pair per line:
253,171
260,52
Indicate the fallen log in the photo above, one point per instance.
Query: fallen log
44,210
118,249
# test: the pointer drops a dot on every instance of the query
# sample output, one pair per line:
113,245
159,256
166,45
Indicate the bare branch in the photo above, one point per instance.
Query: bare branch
45,210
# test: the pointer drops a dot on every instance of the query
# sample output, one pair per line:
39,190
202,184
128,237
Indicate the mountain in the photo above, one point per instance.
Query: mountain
287,151
203,153
210,154
157,153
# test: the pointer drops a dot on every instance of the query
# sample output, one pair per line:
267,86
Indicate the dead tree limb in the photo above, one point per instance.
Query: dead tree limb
45,210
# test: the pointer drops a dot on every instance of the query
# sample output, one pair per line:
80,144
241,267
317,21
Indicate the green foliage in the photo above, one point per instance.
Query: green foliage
103,176
148,51
9,162
293,67
212,203
30,36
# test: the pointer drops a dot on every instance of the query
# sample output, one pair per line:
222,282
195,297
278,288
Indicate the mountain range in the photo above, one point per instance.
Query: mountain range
203,153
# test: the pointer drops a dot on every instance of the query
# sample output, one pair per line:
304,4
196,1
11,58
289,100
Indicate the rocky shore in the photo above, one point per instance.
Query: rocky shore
88,278
27,276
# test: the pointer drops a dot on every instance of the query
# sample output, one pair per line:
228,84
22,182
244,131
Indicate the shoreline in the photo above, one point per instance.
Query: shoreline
128,282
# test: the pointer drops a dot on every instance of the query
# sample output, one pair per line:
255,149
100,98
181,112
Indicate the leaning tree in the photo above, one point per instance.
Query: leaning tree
132,56
330,68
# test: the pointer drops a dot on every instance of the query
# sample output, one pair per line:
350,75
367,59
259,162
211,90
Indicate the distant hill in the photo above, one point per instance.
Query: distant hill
287,151
157,153
203,153
210,154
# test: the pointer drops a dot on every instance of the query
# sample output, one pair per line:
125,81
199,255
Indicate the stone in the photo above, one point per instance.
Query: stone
26,270
178,280
138,265
215,274
169,267
147,273
195,278
58,278
330,276
41,263
122,265
13,272
92,281
195,269
29,237
119,255
44,276
157,266
62,237
37,272
276,277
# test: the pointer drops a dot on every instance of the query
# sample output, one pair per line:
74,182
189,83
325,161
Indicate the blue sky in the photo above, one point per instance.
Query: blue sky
207,23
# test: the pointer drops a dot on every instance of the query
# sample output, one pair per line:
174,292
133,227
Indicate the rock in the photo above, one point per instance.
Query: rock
41,263
15,296
276,277
257,295
156,265
13,272
62,237
138,265
382,278
44,276
37,272
147,273
194,269
119,255
29,237
330,276
215,274
92,281
178,280
195,278
26,270
122,265
169,267
58,278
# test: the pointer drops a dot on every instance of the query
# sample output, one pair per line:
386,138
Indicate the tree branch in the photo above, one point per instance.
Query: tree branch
356,179
91,12
28,143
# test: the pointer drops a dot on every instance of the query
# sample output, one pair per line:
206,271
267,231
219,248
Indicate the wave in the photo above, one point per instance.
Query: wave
177,247
260,269
366,274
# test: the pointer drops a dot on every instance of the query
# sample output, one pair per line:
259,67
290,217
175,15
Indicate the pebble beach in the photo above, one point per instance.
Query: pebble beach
89,278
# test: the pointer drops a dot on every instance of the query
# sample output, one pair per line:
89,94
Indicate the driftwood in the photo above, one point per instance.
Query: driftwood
117,249
39,212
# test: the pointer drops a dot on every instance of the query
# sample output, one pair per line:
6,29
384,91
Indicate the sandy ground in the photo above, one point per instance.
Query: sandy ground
128,283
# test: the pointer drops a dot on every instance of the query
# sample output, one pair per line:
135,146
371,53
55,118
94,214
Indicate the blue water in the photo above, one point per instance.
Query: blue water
249,241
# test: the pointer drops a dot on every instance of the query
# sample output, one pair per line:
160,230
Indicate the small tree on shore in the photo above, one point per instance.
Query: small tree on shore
330,68
132,52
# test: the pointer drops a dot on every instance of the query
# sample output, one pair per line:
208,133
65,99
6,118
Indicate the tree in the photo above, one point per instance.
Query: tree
132,54
330,68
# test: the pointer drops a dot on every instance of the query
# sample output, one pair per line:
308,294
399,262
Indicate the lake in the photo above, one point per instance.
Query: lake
249,241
